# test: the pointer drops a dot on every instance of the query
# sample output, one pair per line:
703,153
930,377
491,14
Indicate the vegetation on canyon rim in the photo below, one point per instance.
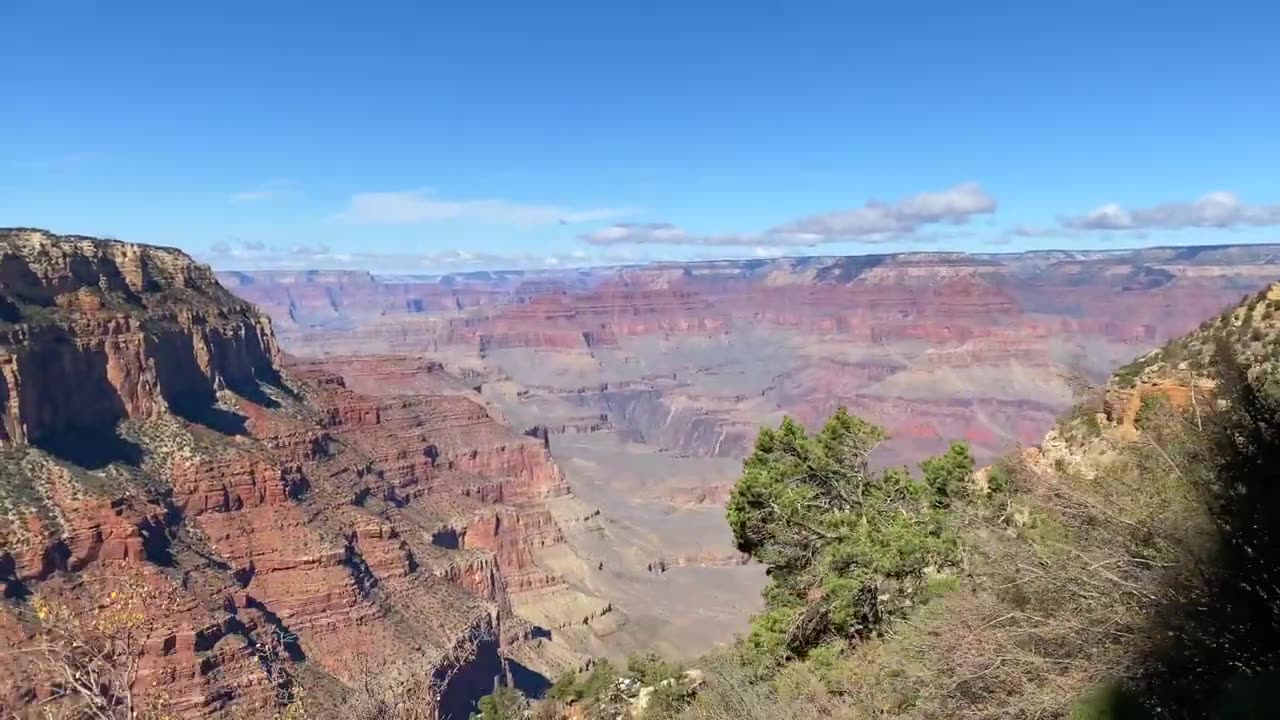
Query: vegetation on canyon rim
848,549
1126,569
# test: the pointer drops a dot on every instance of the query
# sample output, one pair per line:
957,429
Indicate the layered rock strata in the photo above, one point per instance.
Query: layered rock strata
270,529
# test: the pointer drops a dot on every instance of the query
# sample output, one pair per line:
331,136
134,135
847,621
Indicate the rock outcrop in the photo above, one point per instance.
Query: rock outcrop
275,529
102,332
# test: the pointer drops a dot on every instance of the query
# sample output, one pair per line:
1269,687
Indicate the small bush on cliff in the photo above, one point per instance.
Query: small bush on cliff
1127,376
88,656
602,675
564,689
588,687
1150,406
650,668
505,703
848,548
949,475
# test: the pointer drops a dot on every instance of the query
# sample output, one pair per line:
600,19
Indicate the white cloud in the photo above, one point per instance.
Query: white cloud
639,234
1220,209
310,251
876,221
872,223
235,247
668,234
1035,231
411,207
235,254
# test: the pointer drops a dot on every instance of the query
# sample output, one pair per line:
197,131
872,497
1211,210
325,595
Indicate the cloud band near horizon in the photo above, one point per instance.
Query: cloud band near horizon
1220,210
873,222
411,207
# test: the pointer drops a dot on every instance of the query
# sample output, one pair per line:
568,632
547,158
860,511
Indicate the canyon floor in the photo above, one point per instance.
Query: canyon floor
651,382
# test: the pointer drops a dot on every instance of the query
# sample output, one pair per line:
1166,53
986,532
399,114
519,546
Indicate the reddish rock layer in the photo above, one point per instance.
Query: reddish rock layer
502,477
258,503
101,332
856,322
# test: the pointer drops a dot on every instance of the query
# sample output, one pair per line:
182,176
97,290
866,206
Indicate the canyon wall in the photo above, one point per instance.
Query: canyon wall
650,382
915,340
267,532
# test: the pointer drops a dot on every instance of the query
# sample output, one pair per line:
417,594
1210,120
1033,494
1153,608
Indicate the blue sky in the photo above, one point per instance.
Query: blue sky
416,136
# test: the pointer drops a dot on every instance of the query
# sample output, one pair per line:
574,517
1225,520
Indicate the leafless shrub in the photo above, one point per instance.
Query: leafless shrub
404,691
84,663
732,694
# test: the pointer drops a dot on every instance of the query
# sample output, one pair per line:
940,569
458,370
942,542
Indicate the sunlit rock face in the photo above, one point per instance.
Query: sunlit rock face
158,450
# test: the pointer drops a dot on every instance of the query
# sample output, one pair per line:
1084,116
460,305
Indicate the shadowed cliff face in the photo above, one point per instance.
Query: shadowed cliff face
104,331
653,381
271,529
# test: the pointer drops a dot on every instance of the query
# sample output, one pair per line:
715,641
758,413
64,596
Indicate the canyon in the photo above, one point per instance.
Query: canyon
309,480
243,525
649,383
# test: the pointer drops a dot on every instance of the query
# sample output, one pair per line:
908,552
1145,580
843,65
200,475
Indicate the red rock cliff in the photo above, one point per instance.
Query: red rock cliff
103,331
151,437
